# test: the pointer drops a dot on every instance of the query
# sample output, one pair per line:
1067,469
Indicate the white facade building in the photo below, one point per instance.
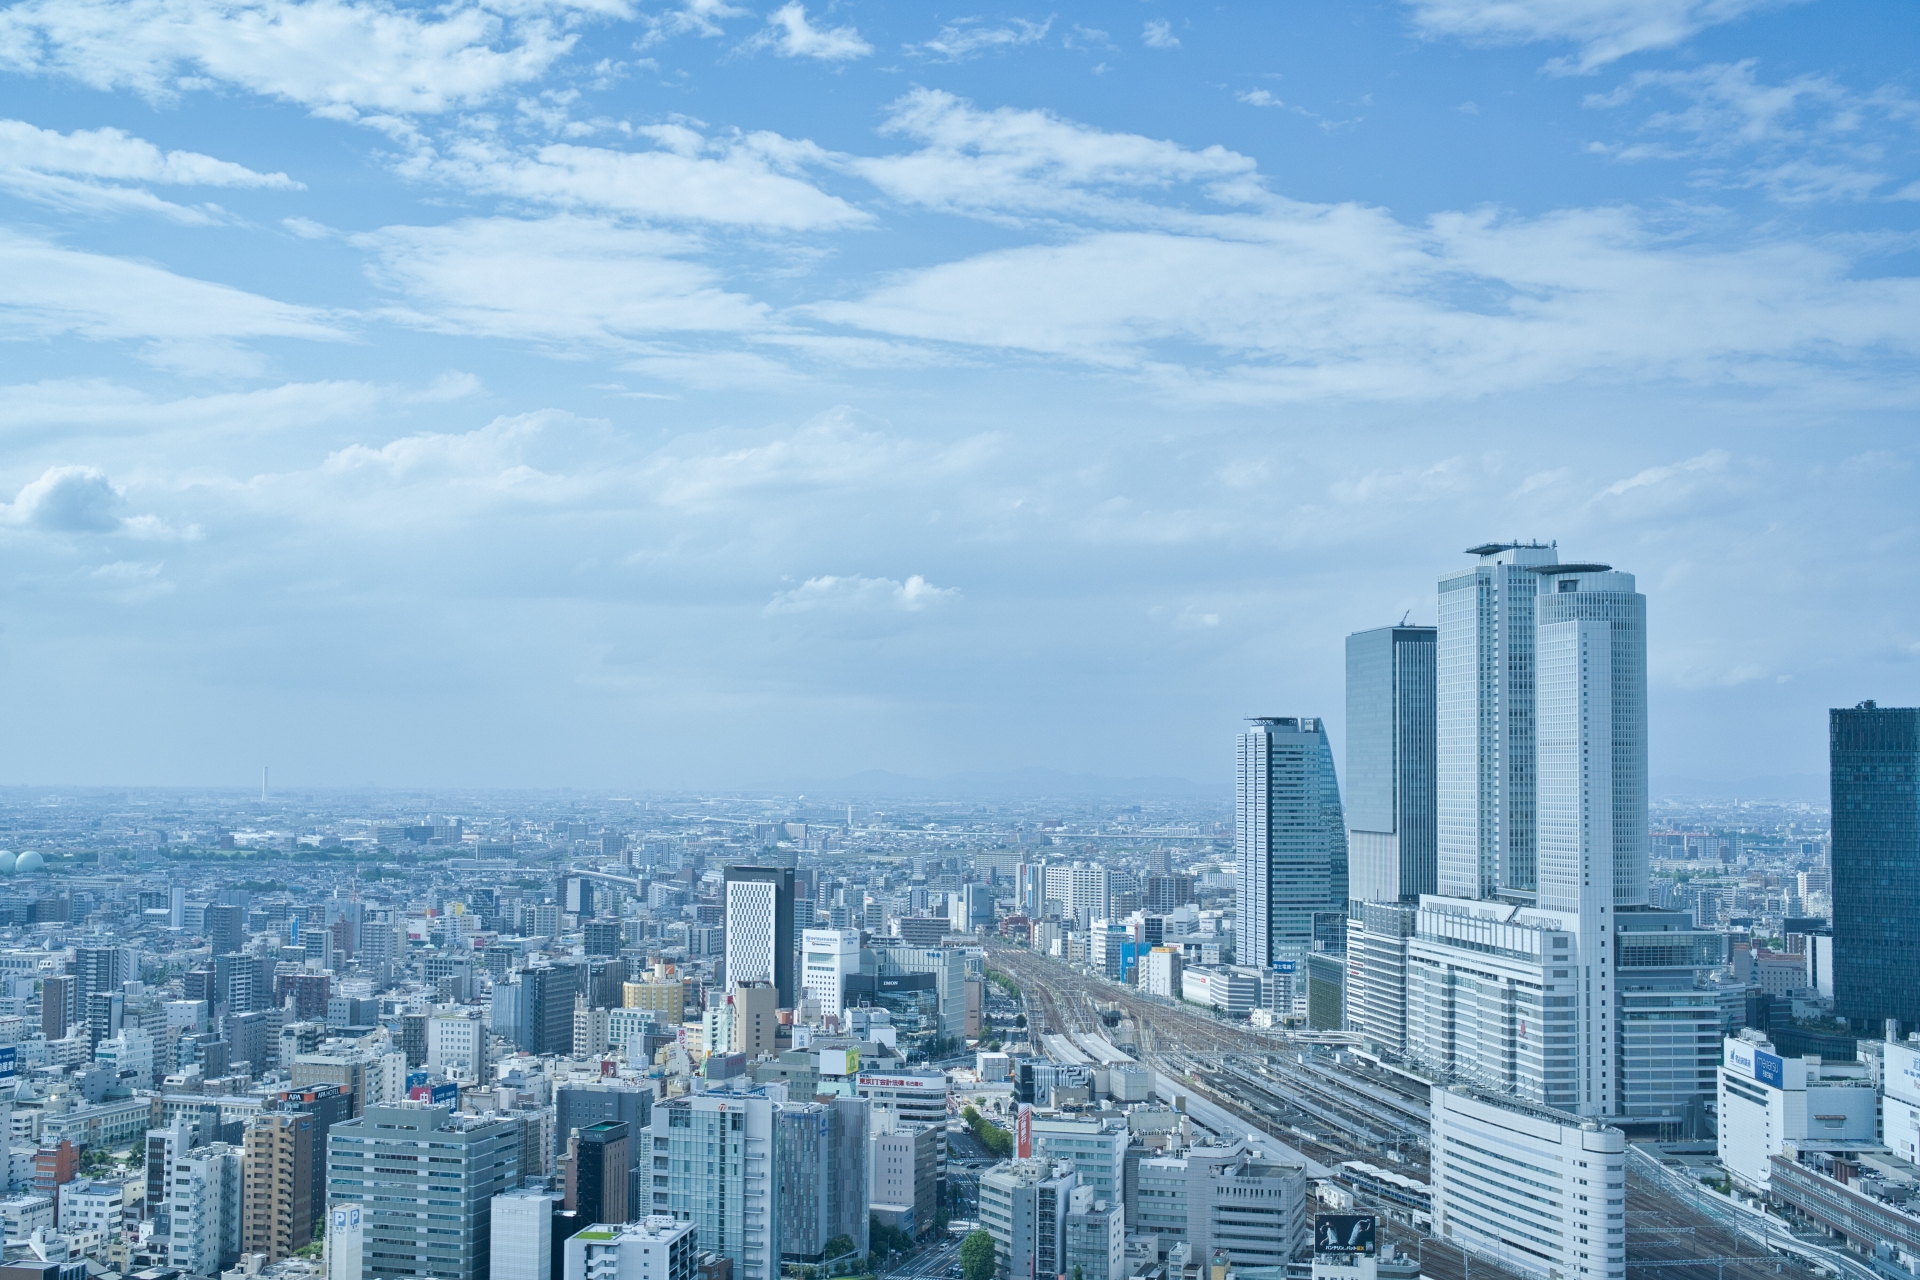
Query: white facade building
654,1248
204,1197
1484,724
1097,1152
752,916
1767,1100
720,1176
1163,973
827,956
457,1045
1539,1191
521,1247
1900,1100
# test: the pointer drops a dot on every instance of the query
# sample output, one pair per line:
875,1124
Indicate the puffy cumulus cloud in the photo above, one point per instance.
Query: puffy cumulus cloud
751,180
1346,302
563,281
863,594
1605,30
81,500
338,56
789,34
1013,161
47,290
1159,35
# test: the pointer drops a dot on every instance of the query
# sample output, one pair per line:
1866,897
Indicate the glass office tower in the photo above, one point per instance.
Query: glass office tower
1484,722
1875,754
1392,854
1290,843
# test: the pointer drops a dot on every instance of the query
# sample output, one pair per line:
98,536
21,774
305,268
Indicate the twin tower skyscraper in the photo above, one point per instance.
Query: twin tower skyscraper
1499,758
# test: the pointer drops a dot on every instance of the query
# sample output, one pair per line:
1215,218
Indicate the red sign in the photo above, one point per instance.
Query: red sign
1023,1133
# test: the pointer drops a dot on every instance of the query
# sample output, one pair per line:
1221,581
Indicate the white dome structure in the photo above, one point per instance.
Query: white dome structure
29,862
6,862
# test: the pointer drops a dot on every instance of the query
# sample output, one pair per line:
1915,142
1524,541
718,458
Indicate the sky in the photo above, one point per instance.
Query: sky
601,393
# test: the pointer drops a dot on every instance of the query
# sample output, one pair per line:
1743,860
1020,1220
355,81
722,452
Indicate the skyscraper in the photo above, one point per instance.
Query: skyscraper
1290,843
719,1149
759,903
226,926
277,1190
1392,849
1595,593
829,955
1875,754
1484,722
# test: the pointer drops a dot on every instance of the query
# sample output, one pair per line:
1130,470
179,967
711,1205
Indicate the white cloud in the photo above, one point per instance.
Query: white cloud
77,499
1806,139
563,281
47,290
748,180
1319,301
1605,30
92,408
789,34
696,17
1259,98
853,593
1159,35
65,170
340,56
1013,161
960,40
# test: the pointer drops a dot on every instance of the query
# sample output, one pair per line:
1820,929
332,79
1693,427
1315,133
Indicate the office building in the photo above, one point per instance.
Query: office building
602,937
760,923
1392,837
655,1248
1767,1101
1538,1191
579,1105
373,1160
903,1179
1378,937
827,957
1484,735
1607,604
1674,1003
1024,1206
1096,1237
278,1201
820,1162
59,1005
204,1209
667,999
1084,891
1163,972
523,1228
457,1045
327,1105
546,1007
413,1038
1230,1199
755,1022
368,1074
1096,1149
598,1167
1875,755
226,926
720,1175
1290,844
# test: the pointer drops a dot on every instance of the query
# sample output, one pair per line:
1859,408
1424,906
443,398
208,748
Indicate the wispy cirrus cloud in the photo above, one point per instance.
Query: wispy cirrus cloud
1605,30
970,37
839,594
84,170
791,35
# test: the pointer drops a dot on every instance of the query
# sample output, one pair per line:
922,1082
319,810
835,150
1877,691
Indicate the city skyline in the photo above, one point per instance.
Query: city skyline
586,381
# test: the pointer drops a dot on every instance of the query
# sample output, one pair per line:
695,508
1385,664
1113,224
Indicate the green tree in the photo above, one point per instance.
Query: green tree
839,1247
1020,1020
976,1256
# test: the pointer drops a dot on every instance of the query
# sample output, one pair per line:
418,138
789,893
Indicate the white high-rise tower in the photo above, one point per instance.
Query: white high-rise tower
1484,726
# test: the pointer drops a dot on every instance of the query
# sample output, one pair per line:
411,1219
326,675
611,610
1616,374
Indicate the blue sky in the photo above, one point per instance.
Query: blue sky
614,394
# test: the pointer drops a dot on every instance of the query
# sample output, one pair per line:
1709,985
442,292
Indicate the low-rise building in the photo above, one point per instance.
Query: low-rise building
655,1248
1767,1101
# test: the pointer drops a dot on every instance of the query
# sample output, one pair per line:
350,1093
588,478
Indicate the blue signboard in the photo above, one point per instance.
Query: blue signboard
1768,1069
1284,966
415,1079
446,1093
9,1062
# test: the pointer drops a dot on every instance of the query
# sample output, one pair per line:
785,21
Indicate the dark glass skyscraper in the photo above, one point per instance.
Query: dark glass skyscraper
1391,837
1290,844
1876,864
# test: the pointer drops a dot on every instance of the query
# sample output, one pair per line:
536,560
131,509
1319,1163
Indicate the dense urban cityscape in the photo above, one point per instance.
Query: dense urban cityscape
1470,998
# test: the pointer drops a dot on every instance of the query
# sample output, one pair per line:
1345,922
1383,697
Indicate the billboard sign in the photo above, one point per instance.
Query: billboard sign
9,1063
415,1079
1345,1235
1769,1069
1023,1133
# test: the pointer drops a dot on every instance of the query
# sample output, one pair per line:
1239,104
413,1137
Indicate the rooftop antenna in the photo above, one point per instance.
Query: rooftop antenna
1405,616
